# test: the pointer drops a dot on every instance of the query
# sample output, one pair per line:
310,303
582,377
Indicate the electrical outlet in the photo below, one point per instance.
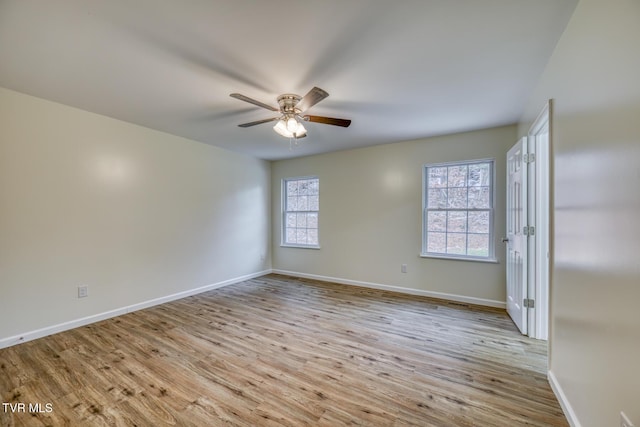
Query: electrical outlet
624,421
403,268
83,291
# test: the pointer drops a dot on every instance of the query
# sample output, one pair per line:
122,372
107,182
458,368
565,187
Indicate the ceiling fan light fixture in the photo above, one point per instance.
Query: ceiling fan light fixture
292,125
281,129
300,131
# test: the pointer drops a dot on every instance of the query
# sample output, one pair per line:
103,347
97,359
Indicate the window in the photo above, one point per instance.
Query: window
458,210
300,206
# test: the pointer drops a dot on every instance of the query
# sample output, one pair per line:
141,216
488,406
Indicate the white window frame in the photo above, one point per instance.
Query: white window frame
425,209
283,217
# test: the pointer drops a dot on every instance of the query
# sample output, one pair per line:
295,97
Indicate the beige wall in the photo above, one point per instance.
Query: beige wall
370,215
133,213
593,76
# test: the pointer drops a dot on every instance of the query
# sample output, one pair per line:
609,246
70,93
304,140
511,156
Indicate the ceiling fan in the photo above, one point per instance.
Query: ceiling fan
292,109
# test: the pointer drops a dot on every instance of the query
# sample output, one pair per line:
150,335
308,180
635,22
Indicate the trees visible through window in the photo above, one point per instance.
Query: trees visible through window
458,210
301,205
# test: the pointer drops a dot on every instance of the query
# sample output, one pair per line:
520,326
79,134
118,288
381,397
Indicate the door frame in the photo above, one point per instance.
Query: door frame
540,215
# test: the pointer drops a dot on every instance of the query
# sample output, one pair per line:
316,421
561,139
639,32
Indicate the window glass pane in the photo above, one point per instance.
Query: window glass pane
479,174
301,235
303,187
437,242
456,243
457,176
312,220
437,221
479,198
292,188
292,203
478,245
437,198
291,220
313,202
301,220
314,186
303,203
456,221
479,222
312,236
457,198
437,177
290,235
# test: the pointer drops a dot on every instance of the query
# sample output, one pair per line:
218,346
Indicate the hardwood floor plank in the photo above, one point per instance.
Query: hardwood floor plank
282,351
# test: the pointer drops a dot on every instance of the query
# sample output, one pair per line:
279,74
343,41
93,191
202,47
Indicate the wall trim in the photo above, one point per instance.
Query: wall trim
562,399
76,323
54,329
410,291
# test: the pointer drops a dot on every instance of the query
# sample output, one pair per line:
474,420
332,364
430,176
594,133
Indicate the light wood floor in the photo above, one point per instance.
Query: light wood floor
278,351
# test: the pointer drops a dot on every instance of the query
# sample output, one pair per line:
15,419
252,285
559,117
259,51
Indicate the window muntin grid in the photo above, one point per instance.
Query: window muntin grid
301,206
458,210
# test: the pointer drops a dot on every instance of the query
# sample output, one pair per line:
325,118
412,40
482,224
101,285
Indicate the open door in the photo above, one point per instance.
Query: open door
517,232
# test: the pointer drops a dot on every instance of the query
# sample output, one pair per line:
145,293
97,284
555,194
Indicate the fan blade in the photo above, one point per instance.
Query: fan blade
258,122
252,101
328,121
314,96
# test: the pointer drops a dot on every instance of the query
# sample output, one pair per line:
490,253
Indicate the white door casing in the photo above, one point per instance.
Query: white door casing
539,214
516,240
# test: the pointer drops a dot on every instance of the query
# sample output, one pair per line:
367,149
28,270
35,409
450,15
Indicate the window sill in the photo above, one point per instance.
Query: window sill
461,258
299,246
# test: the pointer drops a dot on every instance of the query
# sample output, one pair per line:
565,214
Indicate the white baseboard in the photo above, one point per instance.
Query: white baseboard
411,291
562,399
50,330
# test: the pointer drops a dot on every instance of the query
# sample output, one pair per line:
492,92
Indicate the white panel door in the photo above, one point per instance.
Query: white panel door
516,239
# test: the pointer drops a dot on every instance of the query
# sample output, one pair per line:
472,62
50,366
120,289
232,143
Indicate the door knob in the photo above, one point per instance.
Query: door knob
505,240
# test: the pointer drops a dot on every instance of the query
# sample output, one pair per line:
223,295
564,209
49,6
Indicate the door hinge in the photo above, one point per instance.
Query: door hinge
528,303
529,230
529,158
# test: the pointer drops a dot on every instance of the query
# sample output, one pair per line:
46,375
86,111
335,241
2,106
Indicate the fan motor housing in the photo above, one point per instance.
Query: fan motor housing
288,102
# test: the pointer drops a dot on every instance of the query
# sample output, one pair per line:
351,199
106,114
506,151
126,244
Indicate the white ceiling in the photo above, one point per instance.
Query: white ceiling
399,70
